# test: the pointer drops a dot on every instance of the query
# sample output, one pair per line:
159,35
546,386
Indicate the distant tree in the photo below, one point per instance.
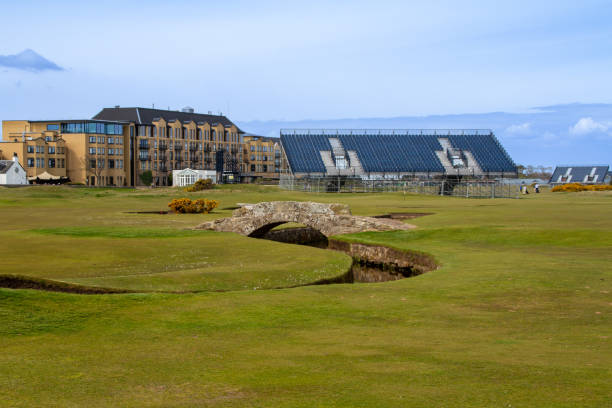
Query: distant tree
146,177
542,172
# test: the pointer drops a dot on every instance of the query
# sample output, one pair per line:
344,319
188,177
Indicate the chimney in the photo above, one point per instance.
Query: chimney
15,158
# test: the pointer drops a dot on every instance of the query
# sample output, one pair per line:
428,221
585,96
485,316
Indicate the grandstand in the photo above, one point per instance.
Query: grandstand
395,154
579,174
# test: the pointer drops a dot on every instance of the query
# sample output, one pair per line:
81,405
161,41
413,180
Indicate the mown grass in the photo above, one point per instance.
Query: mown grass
518,314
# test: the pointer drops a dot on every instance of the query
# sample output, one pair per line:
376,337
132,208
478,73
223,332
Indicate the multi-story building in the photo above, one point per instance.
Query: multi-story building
65,149
120,144
163,140
262,158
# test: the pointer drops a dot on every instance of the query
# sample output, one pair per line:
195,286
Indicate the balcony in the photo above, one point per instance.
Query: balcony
143,146
163,146
144,158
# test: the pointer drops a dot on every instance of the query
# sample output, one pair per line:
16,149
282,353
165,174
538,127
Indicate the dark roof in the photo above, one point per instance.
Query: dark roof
579,174
5,165
146,116
394,150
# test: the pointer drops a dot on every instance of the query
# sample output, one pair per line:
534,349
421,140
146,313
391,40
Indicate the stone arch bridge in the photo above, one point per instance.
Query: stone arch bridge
255,220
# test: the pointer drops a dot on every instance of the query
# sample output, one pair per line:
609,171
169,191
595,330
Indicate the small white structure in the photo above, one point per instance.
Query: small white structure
187,177
11,172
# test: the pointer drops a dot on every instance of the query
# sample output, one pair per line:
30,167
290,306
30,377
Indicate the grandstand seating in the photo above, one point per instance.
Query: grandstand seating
579,174
400,151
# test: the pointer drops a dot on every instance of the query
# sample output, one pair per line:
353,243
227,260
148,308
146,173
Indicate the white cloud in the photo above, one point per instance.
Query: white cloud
522,129
587,125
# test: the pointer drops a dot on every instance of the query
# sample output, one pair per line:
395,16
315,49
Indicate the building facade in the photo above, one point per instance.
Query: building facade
120,144
161,141
262,158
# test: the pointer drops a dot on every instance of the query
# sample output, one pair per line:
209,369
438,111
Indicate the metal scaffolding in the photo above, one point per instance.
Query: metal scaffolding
446,187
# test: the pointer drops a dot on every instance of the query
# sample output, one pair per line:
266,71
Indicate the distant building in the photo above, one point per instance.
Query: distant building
40,151
12,173
395,154
187,177
119,144
261,158
579,174
161,141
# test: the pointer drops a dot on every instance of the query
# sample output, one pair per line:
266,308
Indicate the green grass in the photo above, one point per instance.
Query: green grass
519,314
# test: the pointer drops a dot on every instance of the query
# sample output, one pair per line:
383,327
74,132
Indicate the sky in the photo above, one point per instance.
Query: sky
432,63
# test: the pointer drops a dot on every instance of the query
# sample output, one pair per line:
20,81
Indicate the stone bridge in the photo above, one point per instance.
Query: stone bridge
255,220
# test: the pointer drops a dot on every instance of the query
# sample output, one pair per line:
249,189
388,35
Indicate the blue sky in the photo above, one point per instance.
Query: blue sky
280,61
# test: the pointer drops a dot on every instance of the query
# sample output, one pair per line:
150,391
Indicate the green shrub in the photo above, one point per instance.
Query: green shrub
146,177
201,184
187,206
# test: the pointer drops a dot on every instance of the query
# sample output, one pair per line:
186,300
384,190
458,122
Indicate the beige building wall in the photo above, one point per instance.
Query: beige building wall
261,158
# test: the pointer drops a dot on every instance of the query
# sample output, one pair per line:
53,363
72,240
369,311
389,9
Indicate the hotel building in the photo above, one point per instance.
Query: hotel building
119,144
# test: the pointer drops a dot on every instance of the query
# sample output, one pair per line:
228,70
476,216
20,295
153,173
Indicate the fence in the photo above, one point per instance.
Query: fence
448,187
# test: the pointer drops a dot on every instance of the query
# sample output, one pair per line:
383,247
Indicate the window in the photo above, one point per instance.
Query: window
100,163
111,164
30,149
51,149
92,164
53,126
92,150
51,163
131,131
252,148
252,167
100,150
110,140
40,149
30,162
101,139
154,131
170,133
92,139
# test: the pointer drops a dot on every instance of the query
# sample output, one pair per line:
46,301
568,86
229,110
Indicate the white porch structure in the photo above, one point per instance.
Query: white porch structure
187,177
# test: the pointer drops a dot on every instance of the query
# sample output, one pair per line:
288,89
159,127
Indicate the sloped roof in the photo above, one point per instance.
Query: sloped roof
146,116
5,166
578,174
